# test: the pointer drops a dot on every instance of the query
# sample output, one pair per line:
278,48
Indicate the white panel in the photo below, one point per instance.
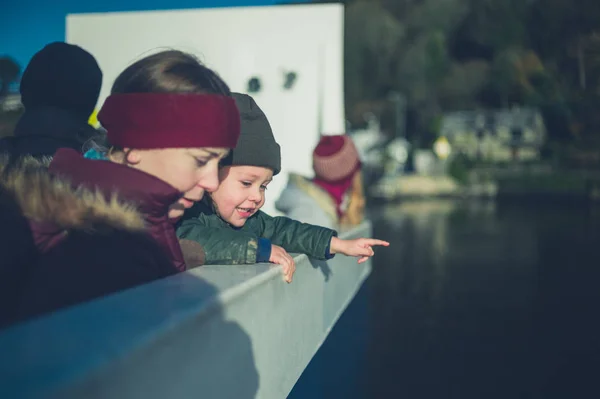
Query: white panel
240,43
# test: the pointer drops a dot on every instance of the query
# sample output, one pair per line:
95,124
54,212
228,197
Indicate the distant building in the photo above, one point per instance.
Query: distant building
516,134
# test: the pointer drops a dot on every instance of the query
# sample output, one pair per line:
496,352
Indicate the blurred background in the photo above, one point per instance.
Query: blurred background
478,126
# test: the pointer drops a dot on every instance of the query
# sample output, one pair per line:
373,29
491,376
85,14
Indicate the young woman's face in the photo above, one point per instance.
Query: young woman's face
192,171
241,192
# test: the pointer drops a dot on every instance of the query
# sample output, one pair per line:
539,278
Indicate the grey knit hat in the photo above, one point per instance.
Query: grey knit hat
256,145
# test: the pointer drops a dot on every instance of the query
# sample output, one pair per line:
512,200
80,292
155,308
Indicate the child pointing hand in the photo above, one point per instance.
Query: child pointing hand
229,224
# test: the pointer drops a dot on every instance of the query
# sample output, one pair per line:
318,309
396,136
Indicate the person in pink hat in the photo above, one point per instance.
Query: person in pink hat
335,195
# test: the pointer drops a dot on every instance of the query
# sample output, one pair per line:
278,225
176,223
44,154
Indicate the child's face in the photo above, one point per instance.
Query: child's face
241,192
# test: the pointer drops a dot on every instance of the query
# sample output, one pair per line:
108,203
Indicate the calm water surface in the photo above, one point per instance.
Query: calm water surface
472,300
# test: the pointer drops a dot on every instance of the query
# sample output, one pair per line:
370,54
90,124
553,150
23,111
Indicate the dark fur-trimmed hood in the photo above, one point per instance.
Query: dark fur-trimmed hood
47,199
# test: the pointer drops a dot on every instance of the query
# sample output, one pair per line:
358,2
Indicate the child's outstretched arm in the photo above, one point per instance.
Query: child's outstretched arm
225,246
360,247
295,236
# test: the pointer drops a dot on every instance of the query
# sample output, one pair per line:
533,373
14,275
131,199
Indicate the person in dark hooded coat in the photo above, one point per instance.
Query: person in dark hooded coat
59,90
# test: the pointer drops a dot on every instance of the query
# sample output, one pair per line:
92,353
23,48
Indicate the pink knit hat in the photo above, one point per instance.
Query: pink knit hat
335,158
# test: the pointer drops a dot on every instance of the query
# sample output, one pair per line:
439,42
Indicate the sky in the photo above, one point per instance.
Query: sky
27,25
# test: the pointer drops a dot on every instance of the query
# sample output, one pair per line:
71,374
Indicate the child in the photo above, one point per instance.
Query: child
335,195
228,223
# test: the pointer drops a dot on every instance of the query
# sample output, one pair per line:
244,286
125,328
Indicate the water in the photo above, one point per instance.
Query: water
478,300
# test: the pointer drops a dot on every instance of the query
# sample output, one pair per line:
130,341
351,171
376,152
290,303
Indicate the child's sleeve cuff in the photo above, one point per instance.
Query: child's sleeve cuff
263,252
328,254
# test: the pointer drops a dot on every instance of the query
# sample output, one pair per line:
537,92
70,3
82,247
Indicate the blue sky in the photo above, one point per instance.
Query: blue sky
27,25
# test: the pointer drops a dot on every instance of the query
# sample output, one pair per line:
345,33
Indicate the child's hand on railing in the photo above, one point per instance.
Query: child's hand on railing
360,247
281,257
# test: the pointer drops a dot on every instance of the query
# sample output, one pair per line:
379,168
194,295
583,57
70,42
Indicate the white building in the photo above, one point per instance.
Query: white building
496,136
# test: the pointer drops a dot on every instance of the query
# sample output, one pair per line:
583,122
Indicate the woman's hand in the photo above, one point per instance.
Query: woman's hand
281,257
360,247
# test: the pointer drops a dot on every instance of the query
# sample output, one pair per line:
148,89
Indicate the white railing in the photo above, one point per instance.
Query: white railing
213,332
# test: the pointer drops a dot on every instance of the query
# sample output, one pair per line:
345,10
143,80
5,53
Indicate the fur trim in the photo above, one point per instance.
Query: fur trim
321,196
47,199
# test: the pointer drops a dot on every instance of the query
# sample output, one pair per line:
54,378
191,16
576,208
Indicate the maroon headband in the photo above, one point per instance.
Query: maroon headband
165,120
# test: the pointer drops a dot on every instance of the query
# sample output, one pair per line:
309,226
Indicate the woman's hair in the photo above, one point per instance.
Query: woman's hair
170,71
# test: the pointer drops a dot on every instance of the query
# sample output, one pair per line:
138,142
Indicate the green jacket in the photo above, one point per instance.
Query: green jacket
225,244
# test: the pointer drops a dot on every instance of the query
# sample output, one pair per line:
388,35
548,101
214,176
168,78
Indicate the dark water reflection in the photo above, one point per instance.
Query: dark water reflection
478,300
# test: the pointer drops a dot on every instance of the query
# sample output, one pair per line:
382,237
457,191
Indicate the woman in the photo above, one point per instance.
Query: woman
103,225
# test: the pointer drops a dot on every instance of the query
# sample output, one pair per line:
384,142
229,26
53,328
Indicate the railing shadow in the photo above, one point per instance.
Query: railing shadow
151,341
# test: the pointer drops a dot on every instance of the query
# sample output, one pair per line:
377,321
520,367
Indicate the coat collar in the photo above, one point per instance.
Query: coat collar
54,123
316,192
151,195
53,207
41,131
